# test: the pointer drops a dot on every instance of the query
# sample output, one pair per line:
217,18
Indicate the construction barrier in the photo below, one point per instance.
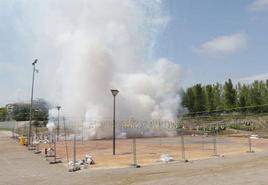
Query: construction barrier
23,140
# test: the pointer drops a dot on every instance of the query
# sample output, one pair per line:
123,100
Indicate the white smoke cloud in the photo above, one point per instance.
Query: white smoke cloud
153,93
50,126
85,48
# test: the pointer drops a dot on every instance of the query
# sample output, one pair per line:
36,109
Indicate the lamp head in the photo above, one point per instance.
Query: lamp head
114,92
35,61
58,107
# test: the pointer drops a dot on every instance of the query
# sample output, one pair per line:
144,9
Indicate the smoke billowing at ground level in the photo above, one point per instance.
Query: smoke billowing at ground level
85,48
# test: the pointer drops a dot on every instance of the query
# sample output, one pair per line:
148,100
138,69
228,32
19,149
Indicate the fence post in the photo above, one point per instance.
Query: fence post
182,147
37,144
203,139
250,145
215,149
134,152
135,165
215,144
65,142
13,130
82,131
55,146
74,150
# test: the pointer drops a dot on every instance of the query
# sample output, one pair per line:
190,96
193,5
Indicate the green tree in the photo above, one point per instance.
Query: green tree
255,94
199,98
21,114
229,95
3,114
41,117
217,91
189,99
256,97
266,92
184,99
247,97
243,97
210,99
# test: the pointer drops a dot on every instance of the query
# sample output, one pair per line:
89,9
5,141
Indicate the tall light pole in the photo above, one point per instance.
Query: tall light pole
58,126
31,106
114,93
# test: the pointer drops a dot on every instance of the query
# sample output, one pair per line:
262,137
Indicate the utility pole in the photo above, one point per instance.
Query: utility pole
29,142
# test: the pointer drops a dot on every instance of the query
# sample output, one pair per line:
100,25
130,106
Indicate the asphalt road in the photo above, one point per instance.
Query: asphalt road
20,166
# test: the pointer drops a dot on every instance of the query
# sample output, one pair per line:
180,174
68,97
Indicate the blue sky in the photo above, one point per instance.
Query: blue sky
240,25
212,40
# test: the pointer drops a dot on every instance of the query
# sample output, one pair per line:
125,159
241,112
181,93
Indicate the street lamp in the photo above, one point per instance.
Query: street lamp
114,93
58,126
31,105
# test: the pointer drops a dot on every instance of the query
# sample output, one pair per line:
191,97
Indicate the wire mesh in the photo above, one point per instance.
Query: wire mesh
143,142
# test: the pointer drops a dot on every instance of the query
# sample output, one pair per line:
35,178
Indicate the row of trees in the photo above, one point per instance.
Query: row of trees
21,111
3,114
228,97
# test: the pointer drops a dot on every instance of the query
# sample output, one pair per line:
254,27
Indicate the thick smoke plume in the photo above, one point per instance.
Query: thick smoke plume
86,48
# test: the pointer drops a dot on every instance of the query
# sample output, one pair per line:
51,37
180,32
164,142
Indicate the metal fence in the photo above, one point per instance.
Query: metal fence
139,142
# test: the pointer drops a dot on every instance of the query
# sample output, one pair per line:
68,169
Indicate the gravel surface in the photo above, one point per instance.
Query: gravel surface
20,166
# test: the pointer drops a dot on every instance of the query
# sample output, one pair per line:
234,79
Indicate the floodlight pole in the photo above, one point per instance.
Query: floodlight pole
114,129
58,126
114,93
31,106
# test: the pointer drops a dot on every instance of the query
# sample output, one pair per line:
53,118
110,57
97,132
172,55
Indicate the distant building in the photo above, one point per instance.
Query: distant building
11,109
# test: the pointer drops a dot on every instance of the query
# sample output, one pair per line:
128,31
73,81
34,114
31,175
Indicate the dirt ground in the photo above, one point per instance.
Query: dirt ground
149,150
20,166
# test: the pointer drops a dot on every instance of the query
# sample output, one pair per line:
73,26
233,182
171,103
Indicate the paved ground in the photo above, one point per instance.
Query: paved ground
20,166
